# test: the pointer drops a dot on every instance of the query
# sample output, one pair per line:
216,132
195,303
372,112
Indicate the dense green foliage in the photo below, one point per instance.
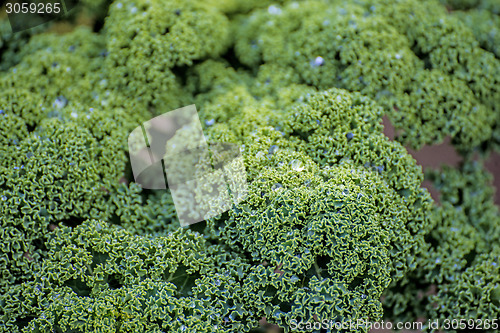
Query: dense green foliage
458,272
424,66
336,224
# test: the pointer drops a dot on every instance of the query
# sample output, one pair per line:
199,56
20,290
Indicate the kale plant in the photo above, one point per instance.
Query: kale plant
337,224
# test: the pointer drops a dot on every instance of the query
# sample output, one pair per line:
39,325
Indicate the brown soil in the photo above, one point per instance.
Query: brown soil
444,153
